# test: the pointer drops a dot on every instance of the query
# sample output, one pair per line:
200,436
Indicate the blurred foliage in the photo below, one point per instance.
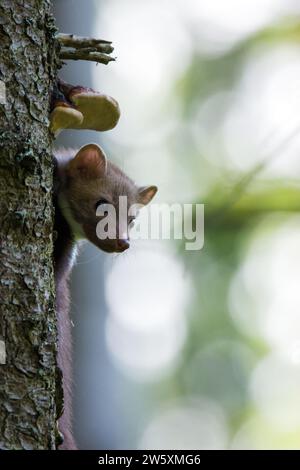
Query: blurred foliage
207,75
219,358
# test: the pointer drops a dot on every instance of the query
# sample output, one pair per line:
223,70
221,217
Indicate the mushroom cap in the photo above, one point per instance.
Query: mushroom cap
64,117
100,112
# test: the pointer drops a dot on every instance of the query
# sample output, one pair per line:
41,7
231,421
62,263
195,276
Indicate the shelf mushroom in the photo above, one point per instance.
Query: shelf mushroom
78,107
64,116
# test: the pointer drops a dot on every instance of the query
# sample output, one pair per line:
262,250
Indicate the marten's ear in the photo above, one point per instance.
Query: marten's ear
146,193
89,162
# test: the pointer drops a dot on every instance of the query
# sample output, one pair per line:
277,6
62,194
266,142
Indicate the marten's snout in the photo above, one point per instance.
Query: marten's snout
122,244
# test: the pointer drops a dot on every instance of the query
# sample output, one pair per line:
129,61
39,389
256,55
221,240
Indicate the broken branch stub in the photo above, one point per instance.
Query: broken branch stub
81,48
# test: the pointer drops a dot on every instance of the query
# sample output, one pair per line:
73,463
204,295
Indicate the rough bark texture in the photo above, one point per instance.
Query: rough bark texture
27,315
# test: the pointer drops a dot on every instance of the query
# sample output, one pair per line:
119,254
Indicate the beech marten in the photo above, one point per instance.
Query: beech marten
84,180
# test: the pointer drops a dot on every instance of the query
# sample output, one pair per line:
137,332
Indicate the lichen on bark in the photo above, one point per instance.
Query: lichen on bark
28,67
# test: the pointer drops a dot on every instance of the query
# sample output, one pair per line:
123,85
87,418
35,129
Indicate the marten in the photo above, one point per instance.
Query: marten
84,180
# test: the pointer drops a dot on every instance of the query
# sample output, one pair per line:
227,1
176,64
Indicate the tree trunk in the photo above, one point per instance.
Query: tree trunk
27,315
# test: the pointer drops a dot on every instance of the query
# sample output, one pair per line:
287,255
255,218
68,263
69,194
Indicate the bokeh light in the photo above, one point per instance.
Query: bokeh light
193,424
275,387
146,327
264,297
232,20
264,112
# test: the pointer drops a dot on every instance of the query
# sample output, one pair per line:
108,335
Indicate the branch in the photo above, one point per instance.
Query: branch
81,55
71,40
81,48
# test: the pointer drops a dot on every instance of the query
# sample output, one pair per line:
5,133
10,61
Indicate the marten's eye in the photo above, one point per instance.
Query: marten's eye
100,202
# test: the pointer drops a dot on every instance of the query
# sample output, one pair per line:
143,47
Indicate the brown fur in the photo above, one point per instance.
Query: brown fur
63,252
81,179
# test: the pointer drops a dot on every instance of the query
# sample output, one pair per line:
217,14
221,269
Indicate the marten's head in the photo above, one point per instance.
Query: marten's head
91,194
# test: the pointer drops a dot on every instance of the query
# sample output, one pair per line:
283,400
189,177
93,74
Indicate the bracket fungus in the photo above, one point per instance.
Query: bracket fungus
83,108
64,116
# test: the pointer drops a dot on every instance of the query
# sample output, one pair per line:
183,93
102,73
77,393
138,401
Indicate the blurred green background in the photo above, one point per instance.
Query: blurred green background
195,349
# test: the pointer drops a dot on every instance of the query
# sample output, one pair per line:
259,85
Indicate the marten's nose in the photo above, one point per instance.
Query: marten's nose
123,244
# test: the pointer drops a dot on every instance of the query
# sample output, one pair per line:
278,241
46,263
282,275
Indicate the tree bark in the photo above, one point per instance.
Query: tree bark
28,409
